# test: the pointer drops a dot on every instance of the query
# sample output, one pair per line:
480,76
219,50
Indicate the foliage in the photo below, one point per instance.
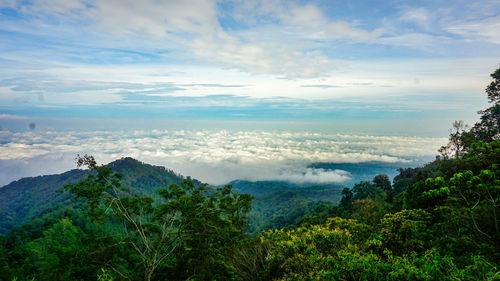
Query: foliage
370,210
282,209
303,253
331,252
406,231
473,201
210,225
104,276
153,237
250,259
56,255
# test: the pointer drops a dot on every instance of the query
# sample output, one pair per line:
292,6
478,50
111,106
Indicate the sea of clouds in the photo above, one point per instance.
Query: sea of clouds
213,156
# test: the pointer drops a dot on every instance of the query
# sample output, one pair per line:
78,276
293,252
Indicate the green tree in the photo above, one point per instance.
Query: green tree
473,201
383,182
488,128
406,231
56,255
152,236
370,210
366,189
186,235
347,197
493,89
212,224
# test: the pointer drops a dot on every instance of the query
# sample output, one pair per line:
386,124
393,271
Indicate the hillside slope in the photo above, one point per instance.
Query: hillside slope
24,199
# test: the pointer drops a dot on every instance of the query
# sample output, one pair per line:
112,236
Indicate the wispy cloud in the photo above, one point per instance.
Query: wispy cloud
419,16
487,29
12,117
66,85
322,86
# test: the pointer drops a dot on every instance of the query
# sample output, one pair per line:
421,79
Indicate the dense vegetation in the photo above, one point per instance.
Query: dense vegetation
436,222
279,205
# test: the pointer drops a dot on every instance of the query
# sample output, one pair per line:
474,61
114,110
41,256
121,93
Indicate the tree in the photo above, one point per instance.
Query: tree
383,182
406,231
366,189
493,89
192,229
212,223
151,235
473,201
346,200
457,146
488,128
57,254
370,210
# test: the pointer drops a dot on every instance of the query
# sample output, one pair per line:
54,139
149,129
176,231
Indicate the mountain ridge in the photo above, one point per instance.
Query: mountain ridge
24,199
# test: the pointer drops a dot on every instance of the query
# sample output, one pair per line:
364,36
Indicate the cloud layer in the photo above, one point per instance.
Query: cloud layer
216,157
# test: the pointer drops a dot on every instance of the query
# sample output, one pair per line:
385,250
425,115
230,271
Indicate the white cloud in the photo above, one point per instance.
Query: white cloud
420,16
218,157
70,84
63,8
12,117
308,15
194,27
421,41
159,19
487,29
307,175
340,29
92,97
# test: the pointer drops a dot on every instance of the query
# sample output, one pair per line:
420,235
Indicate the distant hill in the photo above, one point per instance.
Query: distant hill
330,192
278,204
24,199
366,171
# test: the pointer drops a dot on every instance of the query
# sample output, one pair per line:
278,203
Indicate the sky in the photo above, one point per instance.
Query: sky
71,71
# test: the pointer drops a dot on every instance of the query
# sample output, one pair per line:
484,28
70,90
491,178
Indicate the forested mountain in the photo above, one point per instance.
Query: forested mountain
310,191
279,204
276,204
30,197
23,200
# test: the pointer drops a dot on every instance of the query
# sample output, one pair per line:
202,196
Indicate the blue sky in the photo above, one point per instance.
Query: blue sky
247,60
406,68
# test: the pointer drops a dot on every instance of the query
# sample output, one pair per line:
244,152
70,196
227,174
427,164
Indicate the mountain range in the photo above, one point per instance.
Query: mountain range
275,203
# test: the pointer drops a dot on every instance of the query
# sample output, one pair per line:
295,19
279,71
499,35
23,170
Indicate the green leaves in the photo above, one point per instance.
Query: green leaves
56,255
211,222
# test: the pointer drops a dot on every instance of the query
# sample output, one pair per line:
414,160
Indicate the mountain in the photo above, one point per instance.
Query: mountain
366,171
278,204
25,199
332,192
